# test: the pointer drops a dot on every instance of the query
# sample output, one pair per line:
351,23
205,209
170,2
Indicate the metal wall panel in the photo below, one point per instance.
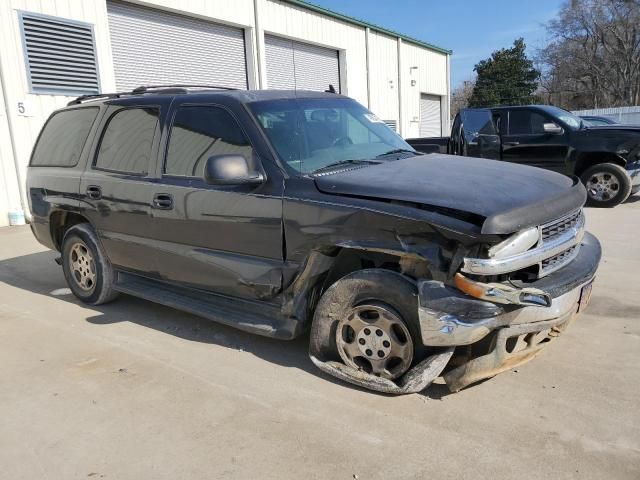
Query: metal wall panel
152,47
292,64
430,116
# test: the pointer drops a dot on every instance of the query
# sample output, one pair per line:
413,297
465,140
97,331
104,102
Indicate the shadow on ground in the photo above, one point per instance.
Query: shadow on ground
38,273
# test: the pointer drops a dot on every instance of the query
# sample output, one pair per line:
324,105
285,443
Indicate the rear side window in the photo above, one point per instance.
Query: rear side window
63,138
127,141
199,132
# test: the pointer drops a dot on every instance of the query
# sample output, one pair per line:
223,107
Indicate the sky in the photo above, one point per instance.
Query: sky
473,29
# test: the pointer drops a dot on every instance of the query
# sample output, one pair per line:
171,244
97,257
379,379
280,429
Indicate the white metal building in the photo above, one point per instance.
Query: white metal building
54,50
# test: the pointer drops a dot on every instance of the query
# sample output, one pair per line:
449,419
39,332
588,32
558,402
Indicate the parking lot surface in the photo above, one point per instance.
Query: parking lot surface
134,390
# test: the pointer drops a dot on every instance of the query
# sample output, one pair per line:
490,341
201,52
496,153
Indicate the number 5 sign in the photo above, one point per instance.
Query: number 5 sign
24,108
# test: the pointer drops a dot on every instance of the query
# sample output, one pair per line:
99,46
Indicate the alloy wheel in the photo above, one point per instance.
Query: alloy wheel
373,338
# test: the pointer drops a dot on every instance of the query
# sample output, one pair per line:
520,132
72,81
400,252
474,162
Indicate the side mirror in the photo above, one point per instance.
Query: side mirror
230,169
552,128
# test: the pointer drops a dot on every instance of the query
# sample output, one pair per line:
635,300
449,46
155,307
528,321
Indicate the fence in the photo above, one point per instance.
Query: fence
625,115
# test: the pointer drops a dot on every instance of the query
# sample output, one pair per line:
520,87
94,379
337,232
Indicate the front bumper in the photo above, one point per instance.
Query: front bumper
448,317
633,169
501,337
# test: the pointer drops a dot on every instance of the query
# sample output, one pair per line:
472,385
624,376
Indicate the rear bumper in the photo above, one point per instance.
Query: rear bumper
448,317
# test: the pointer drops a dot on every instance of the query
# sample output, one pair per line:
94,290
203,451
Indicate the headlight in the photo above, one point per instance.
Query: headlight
517,243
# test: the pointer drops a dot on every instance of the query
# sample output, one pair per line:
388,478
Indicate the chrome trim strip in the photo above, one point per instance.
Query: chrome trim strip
558,244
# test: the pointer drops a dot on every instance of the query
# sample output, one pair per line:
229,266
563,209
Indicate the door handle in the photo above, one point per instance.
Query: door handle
511,144
162,201
94,192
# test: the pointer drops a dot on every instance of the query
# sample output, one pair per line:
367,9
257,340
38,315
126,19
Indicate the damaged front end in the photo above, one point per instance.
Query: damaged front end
476,325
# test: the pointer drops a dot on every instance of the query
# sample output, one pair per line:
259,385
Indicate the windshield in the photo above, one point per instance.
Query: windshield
567,117
310,134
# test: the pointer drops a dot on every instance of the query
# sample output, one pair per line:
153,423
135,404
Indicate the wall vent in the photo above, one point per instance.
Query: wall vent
59,54
392,124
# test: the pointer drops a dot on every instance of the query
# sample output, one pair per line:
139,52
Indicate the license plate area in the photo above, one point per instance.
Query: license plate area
585,296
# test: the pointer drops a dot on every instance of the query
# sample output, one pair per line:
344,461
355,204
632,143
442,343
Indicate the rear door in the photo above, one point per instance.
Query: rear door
224,239
116,188
526,142
479,136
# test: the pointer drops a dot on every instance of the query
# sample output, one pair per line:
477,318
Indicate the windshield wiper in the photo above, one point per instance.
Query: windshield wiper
396,150
342,162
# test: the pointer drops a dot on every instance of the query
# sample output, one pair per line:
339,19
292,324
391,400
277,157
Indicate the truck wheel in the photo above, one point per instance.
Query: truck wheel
86,268
607,185
369,320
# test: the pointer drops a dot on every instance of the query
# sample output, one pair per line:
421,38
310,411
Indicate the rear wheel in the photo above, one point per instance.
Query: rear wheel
369,321
607,185
86,268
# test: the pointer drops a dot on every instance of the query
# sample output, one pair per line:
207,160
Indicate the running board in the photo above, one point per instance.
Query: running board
251,316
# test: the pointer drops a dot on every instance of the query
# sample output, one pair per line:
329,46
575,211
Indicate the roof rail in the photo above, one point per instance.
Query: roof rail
145,88
167,89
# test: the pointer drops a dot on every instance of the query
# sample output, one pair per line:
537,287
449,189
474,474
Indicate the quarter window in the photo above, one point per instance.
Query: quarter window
63,138
199,132
127,141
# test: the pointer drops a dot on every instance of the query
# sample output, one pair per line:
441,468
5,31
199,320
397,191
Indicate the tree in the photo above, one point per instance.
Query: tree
508,77
461,95
593,58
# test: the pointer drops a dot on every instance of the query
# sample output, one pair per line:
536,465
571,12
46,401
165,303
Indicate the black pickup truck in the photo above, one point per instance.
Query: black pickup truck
606,158
280,212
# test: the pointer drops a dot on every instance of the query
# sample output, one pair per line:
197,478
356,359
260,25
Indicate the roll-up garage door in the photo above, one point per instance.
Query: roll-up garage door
292,64
430,117
151,47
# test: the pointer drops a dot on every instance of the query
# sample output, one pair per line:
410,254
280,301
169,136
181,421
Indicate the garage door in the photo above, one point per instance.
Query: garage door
430,119
151,47
299,65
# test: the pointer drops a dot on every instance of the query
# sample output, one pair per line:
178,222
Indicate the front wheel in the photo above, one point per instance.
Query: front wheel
607,185
368,320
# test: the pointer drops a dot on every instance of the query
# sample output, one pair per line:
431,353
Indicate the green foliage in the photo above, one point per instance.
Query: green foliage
507,78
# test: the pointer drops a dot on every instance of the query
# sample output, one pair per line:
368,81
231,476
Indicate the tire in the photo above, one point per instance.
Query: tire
607,185
86,267
387,294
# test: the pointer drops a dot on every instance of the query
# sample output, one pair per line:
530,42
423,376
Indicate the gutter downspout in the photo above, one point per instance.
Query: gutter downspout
16,162
400,109
367,31
262,84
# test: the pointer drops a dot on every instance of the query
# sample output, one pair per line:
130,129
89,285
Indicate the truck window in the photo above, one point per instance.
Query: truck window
63,138
525,122
477,122
199,132
126,142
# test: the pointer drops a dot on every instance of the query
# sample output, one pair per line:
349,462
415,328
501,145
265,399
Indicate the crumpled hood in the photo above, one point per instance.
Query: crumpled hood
509,196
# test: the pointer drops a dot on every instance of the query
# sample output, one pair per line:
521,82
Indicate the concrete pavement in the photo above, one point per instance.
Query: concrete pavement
133,390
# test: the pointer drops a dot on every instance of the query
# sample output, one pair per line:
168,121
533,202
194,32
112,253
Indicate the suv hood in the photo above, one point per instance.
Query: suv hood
506,196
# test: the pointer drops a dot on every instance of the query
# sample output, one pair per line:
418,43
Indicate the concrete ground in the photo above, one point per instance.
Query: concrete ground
133,390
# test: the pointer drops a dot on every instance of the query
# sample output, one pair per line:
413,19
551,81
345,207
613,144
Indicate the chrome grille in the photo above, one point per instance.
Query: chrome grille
556,227
552,264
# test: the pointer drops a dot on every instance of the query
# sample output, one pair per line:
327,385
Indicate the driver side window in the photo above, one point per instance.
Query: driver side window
199,132
525,122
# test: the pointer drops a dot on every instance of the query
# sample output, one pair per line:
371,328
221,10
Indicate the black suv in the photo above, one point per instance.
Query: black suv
282,211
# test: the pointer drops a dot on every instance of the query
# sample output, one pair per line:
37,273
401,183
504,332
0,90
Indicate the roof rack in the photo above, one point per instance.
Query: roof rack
166,89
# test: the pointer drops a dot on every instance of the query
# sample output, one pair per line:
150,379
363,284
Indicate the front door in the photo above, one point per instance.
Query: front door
526,141
224,239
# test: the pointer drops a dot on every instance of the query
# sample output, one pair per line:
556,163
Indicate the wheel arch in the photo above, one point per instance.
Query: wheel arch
62,220
326,266
585,160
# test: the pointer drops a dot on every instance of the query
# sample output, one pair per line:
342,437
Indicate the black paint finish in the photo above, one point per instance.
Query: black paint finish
273,244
